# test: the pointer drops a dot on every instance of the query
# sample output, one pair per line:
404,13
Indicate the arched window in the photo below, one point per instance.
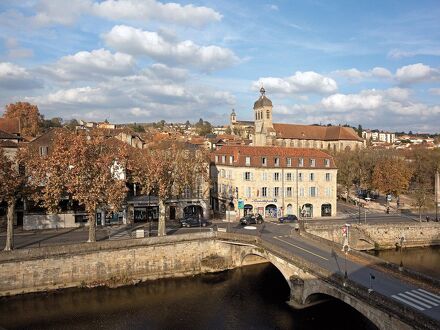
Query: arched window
268,114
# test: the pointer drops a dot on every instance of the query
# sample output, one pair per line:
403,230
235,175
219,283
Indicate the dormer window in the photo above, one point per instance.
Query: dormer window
44,150
301,162
312,162
248,161
289,162
231,159
263,161
327,162
276,162
223,159
216,158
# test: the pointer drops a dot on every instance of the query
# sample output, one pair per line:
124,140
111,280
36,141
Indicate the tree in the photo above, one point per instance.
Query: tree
359,130
166,172
228,130
348,170
71,124
392,175
29,115
87,168
10,190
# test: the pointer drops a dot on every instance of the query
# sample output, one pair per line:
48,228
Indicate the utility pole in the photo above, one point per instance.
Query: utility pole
437,193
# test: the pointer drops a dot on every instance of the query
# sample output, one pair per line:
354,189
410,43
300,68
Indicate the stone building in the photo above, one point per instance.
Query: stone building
266,133
273,181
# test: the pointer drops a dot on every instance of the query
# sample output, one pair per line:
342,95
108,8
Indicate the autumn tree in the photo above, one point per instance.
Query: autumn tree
348,170
392,175
29,115
87,168
166,172
11,185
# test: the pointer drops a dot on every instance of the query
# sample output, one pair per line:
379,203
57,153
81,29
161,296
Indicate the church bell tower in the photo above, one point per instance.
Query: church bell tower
264,130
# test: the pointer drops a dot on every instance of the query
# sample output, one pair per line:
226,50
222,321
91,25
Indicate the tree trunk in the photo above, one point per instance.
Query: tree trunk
10,225
92,227
161,230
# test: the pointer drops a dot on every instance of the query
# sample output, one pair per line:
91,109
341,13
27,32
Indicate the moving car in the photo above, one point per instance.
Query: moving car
288,218
193,222
251,219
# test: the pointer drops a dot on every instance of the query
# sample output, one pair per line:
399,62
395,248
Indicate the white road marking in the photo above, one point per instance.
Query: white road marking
298,247
414,294
404,295
436,298
408,303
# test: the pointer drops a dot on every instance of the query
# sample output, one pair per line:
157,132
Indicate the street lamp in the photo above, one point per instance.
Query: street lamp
402,239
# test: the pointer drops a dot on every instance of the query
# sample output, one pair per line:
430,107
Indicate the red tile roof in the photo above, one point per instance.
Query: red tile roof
10,125
310,132
257,153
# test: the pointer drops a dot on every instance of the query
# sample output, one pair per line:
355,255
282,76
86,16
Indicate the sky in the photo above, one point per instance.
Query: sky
373,63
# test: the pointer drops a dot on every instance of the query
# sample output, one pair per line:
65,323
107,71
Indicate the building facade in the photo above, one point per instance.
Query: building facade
266,133
273,181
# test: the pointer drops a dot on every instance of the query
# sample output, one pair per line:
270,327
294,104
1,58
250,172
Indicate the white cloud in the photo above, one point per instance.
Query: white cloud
300,82
15,77
142,10
138,42
55,12
58,12
418,72
80,95
354,74
86,65
435,91
345,102
398,54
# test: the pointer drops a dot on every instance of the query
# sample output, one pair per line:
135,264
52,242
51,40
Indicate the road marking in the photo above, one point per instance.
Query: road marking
298,247
414,300
416,295
436,298
408,303
420,299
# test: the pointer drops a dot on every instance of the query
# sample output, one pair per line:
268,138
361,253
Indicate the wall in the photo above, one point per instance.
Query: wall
364,236
112,262
45,221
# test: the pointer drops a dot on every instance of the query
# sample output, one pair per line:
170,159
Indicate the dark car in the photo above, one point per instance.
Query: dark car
251,219
288,218
193,222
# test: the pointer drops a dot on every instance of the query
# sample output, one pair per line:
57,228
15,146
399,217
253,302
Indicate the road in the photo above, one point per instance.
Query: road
400,291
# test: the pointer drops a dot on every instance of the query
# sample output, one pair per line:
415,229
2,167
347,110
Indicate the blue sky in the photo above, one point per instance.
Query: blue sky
374,63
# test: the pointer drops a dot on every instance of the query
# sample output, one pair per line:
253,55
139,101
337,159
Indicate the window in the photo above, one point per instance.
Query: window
231,159
328,176
289,192
264,176
44,150
264,192
327,162
289,162
276,162
268,114
222,172
247,176
276,176
313,192
300,176
229,174
288,176
312,162
216,158
276,192
263,161
312,176
301,162
248,161
248,192
301,192
328,192
223,159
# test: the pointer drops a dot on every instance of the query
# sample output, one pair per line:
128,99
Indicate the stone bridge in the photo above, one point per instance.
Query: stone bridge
128,261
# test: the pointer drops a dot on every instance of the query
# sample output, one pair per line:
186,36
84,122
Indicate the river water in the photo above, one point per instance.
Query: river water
423,260
251,297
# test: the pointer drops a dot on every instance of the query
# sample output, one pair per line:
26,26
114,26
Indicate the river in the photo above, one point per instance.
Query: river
424,260
251,297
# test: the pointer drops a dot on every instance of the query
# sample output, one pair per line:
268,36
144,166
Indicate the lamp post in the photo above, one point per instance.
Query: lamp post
402,239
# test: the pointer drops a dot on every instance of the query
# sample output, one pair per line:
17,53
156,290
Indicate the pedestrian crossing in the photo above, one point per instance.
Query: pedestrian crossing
419,299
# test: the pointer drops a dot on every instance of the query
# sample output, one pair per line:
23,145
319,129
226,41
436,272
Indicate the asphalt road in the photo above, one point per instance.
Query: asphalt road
400,291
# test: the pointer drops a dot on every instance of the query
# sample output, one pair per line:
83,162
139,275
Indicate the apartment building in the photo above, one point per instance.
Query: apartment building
273,181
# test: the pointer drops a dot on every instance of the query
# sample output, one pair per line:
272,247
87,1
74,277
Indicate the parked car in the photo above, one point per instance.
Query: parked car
251,219
288,218
193,222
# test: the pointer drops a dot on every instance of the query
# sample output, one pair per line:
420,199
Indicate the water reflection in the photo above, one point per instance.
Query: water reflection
252,297
424,260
